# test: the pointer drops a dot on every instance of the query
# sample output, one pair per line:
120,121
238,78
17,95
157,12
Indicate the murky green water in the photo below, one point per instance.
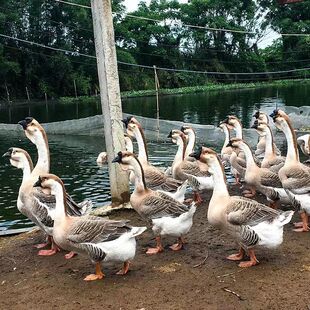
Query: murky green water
73,158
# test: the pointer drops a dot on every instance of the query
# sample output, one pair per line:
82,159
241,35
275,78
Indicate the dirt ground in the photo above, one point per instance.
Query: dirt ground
198,277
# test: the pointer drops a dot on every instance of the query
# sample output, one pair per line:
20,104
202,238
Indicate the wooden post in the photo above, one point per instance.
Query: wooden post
27,92
75,92
157,99
45,96
110,96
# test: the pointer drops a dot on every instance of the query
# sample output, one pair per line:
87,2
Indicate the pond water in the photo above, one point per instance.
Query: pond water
73,158
200,108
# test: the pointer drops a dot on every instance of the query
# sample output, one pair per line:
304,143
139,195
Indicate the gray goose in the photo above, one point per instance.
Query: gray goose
99,239
249,222
166,215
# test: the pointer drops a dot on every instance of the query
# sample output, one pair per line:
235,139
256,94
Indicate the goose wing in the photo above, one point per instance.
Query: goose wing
297,179
269,178
160,205
244,211
192,168
89,229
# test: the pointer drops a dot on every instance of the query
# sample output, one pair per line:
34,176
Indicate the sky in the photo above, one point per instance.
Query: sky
271,35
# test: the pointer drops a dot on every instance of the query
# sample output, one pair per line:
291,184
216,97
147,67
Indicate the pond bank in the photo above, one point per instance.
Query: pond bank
167,281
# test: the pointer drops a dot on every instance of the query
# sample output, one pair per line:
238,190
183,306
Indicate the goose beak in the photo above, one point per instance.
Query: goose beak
225,121
7,154
170,134
118,158
274,114
38,183
229,144
255,125
23,123
196,154
182,129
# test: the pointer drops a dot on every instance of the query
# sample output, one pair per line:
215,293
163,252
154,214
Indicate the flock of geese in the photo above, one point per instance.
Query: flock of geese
159,197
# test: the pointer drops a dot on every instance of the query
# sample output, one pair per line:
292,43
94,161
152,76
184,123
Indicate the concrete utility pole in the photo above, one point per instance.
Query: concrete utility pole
110,96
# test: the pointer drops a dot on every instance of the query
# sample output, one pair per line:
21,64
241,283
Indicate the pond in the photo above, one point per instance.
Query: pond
73,158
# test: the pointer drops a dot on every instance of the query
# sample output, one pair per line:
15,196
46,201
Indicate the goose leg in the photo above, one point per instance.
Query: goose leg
237,179
125,269
43,245
159,248
250,192
70,255
178,246
252,262
197,198
238,256
97,276
305,223
54,249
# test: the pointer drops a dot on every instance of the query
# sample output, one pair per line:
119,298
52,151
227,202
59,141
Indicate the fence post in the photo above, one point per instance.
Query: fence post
157,98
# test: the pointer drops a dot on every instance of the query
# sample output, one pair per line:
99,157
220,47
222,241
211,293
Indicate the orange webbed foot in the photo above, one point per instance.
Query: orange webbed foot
235,257
48,252
247,264
302,229
124,270
176,247
153,251
41,245
93,277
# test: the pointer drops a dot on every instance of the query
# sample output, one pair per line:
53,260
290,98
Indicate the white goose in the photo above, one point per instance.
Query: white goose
295,176
100,239
249,222
167,216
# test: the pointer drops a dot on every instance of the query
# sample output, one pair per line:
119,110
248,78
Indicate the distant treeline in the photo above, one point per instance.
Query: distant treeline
39,71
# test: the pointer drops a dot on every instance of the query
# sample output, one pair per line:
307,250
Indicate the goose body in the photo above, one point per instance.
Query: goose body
264,180
182,169
249,222
166,215
295,176
99,239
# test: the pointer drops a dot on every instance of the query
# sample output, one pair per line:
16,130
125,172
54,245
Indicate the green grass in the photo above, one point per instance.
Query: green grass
189,90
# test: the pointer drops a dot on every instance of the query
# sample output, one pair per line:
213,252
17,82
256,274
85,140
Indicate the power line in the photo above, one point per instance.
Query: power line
188,25
75,53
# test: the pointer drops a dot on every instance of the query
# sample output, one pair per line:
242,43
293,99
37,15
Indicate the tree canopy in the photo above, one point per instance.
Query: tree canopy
164,38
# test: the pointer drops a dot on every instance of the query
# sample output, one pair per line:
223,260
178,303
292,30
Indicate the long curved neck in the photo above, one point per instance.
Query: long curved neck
219,180
27,169
60,209
238,130
179,156
269,145
248,155
292,151
190,144
227,137
143,155
43,163
140,184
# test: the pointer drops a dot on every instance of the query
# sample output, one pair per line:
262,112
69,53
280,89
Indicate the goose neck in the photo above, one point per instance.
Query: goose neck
190,144
143,156
139,181
292,151
43,163
248,155
219,180
269,145
60,208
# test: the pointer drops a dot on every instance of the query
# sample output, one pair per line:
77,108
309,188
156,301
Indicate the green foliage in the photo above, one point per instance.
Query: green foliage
169,43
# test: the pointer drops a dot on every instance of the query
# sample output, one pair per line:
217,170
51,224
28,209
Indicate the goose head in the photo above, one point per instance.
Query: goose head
232,121
236,143
260,127
304,143
50,181
261,116
177,137
207,156
132,125
33,130
127,160
102,158
188,131
19,158
280,118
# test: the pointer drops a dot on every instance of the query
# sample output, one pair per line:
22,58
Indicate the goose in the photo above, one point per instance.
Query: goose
295,176
167,216
99,239
236,159
183,170
262,179
34,202
271,160
103,156
249,222
155,179
262,117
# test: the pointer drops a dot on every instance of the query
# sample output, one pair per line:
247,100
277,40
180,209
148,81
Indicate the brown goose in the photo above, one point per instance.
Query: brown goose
100,239
166,215
183,170
295,176
249,222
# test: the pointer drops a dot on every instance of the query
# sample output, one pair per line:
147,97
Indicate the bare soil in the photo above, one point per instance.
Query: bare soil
198,277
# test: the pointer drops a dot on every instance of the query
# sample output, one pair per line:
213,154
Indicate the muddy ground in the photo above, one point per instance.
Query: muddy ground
198,277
